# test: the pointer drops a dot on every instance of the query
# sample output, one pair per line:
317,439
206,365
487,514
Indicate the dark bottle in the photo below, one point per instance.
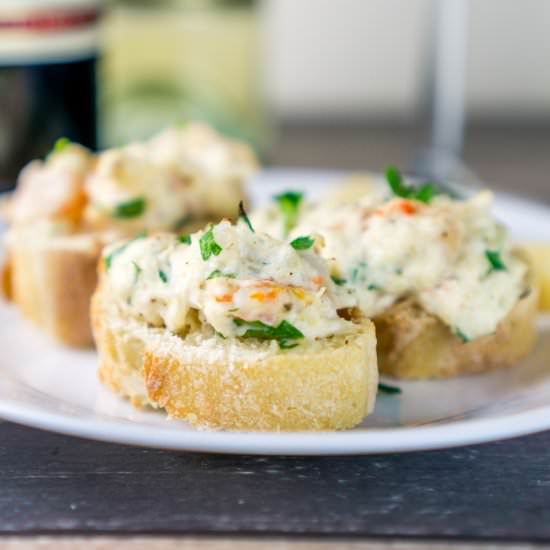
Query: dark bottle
48,52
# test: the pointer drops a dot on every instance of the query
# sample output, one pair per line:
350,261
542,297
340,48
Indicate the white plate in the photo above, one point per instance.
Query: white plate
49,387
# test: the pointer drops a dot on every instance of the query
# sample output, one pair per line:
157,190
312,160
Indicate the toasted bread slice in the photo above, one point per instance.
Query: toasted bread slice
237,384
414,344
539,255
51,281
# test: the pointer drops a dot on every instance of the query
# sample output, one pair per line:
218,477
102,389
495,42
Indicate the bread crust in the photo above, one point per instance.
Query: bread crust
539,256
237,385
415,344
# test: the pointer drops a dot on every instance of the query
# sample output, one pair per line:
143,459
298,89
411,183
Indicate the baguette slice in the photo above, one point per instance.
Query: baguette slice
414,344
539,255
51,280
235,384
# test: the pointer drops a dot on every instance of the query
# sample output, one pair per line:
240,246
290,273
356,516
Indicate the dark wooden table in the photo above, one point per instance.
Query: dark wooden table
52,484
58,486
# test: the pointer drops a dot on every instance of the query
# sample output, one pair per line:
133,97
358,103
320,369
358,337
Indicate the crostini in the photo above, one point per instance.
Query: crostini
538,254
232,329
439,277
67,207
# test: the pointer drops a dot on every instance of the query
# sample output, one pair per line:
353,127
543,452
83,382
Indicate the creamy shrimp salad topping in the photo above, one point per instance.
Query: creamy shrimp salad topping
159,184
126,186
196,148
52,189
242,283
450,256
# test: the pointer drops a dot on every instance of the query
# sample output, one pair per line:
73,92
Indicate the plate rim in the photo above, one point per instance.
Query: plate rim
362,441
348,442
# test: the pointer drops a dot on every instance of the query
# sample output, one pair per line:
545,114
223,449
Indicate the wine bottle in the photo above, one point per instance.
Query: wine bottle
48,54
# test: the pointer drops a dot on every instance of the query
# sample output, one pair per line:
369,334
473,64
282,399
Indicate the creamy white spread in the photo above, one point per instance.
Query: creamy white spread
216,165
127,187
198,149
180,175
51,189
452,257
233,279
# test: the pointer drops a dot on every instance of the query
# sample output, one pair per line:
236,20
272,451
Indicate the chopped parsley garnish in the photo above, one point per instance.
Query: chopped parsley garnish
284,332
425,193
494,259
217,273
285,344
60,144
208,245
289,204
374,287
130,209
243,216
185,239
461,335
359,273
337,280
110,257
386,388
302,243
163,276
137,271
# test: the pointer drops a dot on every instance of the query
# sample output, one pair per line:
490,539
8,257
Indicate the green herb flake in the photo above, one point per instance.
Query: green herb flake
244,217
494,259
461,335
185,239
289,205
130,209
374,287
137,271
285,333
163,277
285,344
425,193
302,243
208,245
338,281
217,273
359,273
110,257
60,144
386,388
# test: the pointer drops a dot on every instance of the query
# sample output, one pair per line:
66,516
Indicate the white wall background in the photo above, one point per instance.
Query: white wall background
369,58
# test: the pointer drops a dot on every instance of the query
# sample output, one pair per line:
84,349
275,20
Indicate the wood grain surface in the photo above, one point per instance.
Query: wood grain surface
171,543
56,484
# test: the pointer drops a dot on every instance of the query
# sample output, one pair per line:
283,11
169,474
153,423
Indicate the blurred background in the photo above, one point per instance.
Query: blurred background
431,85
